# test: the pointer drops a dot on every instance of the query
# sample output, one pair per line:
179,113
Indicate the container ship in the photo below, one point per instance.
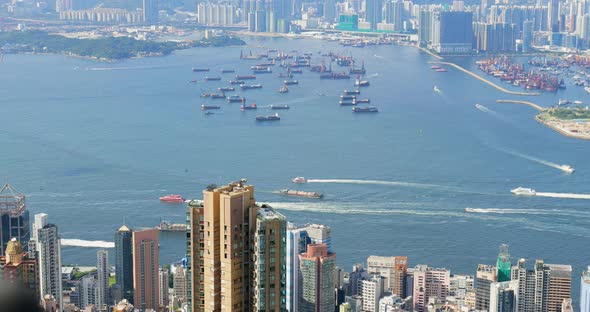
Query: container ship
206,107
301,193
172,198
166,226
248,87
369,109
244,107
245,77
279,107
200,70
274,117
235,98
212,78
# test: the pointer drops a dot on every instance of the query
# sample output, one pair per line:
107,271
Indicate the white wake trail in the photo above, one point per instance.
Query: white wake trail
86,243
378,182
484,109
558,212
537,160
563,195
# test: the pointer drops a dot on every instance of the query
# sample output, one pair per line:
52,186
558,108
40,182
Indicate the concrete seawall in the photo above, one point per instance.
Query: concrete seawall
472,74
531,104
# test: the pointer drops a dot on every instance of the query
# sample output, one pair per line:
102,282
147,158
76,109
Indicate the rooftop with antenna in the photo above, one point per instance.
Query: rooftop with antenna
11,201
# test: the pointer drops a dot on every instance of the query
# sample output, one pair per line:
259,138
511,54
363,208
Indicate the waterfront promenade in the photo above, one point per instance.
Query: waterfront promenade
474,75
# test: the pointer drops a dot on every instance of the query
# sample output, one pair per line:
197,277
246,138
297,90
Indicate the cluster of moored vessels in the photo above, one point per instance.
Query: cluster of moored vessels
286,64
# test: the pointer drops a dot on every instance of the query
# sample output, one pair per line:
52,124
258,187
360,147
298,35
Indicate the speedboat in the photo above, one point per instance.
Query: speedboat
523,191
566,168
436,89
299,180
172,198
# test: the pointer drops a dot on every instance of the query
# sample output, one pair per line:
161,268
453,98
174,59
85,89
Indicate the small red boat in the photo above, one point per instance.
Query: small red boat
172,198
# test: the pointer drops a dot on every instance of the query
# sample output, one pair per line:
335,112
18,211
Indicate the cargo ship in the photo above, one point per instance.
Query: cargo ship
206,107
248,87
296,71
218,95
212,78
172,198
290,82
368,109
361,101
274,117
245,77
335,76
301,193
225,89
279,107
228,71
347,97
237,82
244,107
166,226
200,70
352,92
347,103
361,83
235,98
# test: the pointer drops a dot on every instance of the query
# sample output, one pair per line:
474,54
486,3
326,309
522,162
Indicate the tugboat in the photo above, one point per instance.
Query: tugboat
274,117
283,89
368,109
206,107
279,107
244,107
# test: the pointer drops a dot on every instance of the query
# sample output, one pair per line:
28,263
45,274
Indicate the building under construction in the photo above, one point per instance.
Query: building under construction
14,218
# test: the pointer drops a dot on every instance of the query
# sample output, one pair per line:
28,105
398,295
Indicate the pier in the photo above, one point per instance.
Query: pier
531,104
472,74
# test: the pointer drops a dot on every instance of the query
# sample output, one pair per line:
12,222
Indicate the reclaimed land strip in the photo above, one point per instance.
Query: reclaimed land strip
555,124
483,79
533,105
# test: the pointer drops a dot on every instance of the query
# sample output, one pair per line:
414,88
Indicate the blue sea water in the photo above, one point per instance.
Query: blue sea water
95,144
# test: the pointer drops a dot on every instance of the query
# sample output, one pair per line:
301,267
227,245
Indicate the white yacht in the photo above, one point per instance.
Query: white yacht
523,191
299,180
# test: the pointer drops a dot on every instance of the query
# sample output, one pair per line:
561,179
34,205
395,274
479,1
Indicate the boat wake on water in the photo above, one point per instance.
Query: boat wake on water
86,243
378,182
373,75
563,195
484,109
564,168
123,68
557,212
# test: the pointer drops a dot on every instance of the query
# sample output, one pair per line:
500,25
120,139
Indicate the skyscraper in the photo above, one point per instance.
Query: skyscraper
296,244
320,234
49,255
553,16
484,277
179,284
269,265
14,218
452,32
195,262
317,266
19,269
503,296
150,14
145,269
543,288
374,12
429,283
585,291
102,278
124,261
393,269
371,291
503,264
163,280
87,291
